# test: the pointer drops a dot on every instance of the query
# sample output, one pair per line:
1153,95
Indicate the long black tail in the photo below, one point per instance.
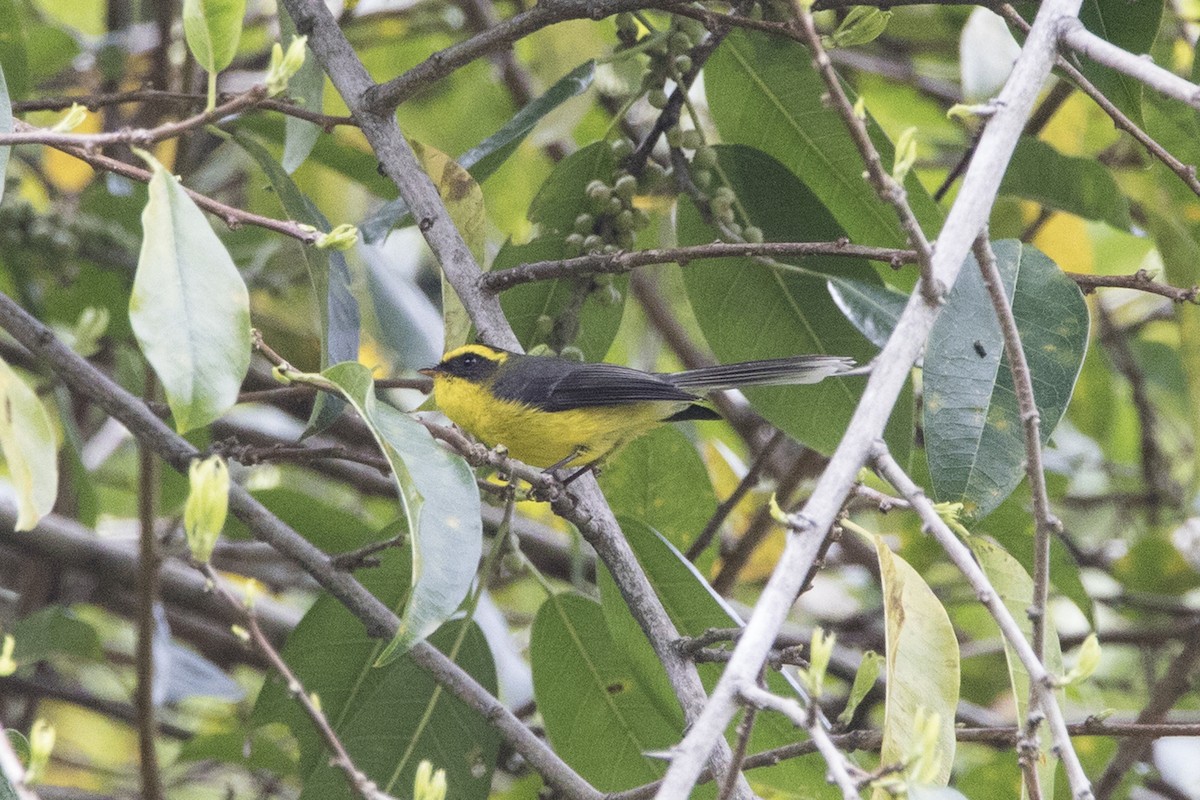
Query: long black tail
769,372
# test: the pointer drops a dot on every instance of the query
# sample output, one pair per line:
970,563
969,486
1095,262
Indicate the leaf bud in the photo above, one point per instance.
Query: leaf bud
207,505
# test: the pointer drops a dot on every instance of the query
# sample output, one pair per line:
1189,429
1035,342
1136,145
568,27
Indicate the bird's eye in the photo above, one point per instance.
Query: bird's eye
470,359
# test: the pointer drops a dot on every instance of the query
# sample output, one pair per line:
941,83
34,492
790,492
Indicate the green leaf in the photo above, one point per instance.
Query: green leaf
1130,25
14,59
973,429
748,310
486,157
1015,588
578,676
660,480
212,29
873,309
922,663
763,92
55,630
388,735
694,608
439,499
30,449
864,681
189,310
307,87
1081,186
6,126
337,307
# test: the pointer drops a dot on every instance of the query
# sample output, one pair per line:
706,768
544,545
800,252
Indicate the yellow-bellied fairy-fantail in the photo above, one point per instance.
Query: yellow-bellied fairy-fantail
554,412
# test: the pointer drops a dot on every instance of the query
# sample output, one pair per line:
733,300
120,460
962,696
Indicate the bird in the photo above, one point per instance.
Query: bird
552,412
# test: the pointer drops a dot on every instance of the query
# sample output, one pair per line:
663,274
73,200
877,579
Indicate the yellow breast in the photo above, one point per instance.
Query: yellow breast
545,438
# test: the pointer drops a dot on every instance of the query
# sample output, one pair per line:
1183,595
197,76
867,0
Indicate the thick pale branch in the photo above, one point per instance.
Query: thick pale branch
809,529
1141,68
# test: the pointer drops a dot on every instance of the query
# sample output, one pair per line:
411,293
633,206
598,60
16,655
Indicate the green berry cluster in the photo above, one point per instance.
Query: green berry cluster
611,221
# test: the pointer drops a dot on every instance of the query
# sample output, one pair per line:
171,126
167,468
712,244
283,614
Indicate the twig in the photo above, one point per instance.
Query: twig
1074,35
233,217
748,481
95,101
360,784
85,380
616,263
1139,280
383,98
888,188
744,729
147,597
810,719
1175,682
141,137
871,741
1040,681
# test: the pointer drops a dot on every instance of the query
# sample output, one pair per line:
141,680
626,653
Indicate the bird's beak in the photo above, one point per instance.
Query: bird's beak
428,371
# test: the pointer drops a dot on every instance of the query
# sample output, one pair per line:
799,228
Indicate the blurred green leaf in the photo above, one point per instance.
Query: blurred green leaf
190,310
14,55
30,448
1081,186
55,630
763,92
660,480
1015,588
748,310
307,87
973,429
922,663
579,676
440,500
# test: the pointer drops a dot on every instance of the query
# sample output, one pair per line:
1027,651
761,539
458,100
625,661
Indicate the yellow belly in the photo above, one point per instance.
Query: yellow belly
545,438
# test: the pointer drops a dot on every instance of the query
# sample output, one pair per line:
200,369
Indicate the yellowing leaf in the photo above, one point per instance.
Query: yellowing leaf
922,664
27,439
66,172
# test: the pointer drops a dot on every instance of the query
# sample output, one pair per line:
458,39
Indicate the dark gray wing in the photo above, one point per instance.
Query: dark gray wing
553,384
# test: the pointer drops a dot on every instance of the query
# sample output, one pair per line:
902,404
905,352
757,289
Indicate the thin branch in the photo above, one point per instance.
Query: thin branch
1174,684
233,217
141,137
872,740
616,263
95,101
888,188
85,380
809,719
1139,280
1139,67
748,482
383,98
1040,681
1046,523
360,784
147,594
